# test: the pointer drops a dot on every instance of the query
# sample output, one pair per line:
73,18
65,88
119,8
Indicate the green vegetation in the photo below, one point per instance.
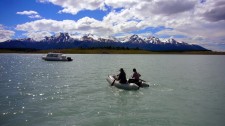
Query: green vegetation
17,50
109,51
98,51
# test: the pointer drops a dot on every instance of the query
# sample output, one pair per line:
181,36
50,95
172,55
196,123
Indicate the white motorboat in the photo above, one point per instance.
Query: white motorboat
56,57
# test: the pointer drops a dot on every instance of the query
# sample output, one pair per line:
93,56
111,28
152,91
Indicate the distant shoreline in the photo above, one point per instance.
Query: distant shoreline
108,51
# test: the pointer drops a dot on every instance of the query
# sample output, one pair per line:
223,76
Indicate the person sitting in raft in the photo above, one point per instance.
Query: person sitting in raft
122,76
135,77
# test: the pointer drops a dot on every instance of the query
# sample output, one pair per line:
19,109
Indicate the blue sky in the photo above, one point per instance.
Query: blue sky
200,22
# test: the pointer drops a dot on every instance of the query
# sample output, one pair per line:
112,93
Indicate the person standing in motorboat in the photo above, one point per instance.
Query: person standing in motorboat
122,76
135,77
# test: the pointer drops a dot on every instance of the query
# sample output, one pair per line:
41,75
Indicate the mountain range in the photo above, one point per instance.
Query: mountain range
65,41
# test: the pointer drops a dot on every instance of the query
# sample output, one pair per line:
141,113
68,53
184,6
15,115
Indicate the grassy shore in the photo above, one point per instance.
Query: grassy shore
109,51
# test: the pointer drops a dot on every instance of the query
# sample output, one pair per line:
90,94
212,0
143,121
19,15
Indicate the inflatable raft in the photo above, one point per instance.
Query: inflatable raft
127,86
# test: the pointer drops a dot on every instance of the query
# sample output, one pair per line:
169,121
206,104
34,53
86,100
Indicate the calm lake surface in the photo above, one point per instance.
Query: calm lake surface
185,90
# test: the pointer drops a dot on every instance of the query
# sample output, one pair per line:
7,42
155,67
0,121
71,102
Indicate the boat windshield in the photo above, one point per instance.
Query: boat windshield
53,55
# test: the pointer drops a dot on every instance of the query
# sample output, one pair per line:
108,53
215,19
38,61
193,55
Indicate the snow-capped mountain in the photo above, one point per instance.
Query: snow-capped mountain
135,39
172,41
95,38
153,40
108,39
60,37
90,37
65,40
23,39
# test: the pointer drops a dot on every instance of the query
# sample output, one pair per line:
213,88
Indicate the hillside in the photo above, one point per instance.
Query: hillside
108,51
67,41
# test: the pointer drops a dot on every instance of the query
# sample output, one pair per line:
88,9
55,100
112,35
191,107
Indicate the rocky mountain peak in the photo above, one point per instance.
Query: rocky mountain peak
65,40
135,39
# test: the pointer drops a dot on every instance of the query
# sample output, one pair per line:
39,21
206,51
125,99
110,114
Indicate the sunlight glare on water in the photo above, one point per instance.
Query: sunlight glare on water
184,90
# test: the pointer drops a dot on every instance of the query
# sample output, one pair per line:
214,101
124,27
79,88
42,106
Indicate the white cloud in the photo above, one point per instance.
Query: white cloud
27,13
170,32
121,3
30,14
84,25
212,10
171,7
74,6
5,34
38,35
47,25
34,16
90,25
126,27
42,1
200,22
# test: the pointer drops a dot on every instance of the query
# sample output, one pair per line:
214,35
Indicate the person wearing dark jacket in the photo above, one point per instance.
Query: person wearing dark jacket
122,76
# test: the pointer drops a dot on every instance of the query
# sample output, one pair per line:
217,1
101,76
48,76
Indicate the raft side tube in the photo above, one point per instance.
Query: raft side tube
126,86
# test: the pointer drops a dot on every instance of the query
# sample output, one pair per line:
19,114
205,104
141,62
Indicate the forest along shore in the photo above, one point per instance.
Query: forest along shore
109,51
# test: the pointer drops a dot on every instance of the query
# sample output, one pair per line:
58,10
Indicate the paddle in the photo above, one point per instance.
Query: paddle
113,82
142,80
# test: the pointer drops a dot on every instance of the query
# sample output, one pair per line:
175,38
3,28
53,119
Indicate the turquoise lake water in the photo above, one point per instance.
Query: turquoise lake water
185,90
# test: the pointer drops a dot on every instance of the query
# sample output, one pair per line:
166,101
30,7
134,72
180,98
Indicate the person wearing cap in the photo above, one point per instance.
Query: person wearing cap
122,77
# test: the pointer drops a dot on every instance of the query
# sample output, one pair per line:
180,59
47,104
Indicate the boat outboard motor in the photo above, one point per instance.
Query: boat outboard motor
69,58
